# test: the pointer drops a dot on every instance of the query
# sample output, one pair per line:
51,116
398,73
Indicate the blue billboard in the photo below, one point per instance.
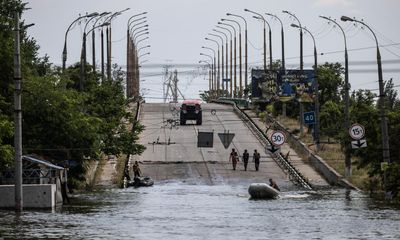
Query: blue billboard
296,84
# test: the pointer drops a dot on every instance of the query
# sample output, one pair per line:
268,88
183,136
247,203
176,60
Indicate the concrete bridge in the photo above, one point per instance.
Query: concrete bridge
181,159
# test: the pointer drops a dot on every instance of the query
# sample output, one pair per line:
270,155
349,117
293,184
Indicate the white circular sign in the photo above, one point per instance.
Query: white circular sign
357,131
278,138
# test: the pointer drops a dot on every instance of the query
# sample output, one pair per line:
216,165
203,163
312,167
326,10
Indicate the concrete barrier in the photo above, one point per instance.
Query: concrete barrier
34,196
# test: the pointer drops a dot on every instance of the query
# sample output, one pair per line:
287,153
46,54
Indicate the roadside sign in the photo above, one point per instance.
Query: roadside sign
278,138
357,131
272,149
362,143
309,117
226,138
205,139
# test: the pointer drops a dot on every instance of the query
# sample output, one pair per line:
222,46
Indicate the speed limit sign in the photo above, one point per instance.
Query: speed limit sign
278,138
357,131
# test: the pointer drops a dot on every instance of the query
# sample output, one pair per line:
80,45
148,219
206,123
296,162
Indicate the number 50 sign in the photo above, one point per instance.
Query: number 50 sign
357,131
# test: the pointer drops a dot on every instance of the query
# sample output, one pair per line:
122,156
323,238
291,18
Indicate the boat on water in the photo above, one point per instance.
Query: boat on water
141,182
262,191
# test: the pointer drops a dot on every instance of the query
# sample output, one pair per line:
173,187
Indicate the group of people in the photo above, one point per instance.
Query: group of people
234,157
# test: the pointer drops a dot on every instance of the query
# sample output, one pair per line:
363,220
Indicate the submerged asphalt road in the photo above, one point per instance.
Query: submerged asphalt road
183,160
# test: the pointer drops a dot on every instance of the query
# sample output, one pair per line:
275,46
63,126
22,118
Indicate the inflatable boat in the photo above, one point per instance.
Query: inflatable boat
262,191
141,182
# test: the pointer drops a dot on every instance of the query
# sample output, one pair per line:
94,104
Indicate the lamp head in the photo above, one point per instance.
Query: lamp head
322,16
284,11
345,19
294,25
144,12
228,14
92,14
246,10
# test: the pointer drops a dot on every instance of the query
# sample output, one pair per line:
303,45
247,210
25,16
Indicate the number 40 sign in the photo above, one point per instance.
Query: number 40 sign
357,131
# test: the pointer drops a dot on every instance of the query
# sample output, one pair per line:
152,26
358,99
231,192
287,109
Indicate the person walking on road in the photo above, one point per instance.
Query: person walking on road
136,169
256,158
234,158
245,157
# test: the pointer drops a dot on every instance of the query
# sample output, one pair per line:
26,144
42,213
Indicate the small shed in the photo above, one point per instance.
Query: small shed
39,171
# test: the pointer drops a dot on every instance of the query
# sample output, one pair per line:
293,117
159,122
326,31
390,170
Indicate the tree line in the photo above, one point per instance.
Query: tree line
61,122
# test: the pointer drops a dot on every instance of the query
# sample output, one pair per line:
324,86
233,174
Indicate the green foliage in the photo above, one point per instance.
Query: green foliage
60,121
331,118
330,82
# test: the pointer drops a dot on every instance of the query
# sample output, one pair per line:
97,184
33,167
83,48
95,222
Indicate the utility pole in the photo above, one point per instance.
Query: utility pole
17,116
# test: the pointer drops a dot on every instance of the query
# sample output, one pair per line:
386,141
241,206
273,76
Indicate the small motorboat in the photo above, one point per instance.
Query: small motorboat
141,182
262,191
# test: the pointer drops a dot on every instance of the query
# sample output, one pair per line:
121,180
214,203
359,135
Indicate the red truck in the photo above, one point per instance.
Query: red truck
191,110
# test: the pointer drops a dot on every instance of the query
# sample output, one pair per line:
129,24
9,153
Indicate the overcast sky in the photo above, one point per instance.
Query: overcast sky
178,29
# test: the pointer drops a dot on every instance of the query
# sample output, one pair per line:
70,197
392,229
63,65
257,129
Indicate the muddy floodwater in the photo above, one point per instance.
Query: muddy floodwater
184,211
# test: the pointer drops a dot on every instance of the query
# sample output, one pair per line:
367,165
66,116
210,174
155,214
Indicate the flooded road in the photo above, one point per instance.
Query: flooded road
182,211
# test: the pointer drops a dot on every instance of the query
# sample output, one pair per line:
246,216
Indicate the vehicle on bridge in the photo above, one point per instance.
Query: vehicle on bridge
191,110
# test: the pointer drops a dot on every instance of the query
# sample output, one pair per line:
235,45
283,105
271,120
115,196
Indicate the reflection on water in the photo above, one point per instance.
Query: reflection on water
181,211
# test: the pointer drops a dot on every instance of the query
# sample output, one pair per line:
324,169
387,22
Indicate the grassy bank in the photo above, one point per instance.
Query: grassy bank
330,150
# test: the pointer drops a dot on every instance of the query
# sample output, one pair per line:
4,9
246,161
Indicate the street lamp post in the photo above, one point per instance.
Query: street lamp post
93,41
261,17
301,38
384,127
230,76
347,160
234,58
214,84
222,60
83,55
130,54
301,68
226,59
316,126
245,51
282,39
283,67
109,45
217,79
64,53
209,74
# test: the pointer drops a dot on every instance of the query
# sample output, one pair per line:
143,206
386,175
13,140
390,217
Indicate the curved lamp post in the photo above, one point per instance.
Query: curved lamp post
234,57
226,58
231,73
210,80
130,55
301,68
217,79
316,128
64,53
222,60
93,40
261,17
301,38
282,39
384,127
213,86
347,159
245,50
